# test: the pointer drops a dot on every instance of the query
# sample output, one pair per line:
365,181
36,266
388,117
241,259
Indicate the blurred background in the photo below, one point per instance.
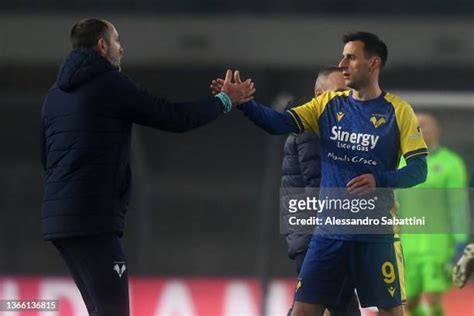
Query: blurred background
206,203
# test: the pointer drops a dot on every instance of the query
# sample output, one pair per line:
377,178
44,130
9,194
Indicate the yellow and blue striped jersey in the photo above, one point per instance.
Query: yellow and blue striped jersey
358,137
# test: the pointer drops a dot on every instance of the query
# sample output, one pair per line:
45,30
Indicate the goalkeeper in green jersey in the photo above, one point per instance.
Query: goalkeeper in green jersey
443,199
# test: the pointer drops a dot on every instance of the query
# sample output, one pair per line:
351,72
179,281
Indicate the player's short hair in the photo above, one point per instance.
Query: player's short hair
327,71
323,74
86,33
373,45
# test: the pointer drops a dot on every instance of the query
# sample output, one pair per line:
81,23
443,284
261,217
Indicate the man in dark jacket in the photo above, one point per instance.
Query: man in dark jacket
87,121
302,169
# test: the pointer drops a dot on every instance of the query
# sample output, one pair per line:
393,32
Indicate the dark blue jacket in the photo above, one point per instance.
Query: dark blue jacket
87,121
301,168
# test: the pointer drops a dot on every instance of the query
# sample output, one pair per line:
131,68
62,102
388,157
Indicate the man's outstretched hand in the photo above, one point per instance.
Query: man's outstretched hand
216,85
239,91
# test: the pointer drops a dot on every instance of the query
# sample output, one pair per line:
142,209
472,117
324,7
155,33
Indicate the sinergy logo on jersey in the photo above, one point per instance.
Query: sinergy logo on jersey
352,140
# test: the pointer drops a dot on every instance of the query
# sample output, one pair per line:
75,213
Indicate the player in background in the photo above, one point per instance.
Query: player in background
429,256
302,168
87,120
465,265
363,132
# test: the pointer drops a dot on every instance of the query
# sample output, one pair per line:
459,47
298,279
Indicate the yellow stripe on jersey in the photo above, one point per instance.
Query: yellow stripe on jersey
401,269
411,139
394,214
307,115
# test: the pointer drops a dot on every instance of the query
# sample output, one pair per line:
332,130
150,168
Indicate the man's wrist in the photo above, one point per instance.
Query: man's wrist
226,101
379,179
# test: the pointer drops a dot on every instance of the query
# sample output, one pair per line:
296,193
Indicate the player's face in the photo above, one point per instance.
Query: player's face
355,66
429,128
115,50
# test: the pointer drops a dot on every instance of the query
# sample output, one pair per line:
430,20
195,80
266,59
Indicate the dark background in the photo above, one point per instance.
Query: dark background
206,202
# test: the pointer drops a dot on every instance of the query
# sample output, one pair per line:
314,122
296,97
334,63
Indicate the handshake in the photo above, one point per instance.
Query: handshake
238,91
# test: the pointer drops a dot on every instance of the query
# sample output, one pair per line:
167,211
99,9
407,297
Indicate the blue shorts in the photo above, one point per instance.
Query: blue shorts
333,269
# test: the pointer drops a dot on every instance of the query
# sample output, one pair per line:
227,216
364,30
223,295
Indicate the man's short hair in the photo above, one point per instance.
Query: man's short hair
323,74
373,45
327,71
86,33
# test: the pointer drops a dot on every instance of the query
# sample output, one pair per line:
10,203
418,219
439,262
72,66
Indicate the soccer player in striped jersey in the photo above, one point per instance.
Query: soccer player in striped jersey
363,132
302,168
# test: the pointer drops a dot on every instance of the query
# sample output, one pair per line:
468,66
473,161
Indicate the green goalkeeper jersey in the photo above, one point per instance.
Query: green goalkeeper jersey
442,198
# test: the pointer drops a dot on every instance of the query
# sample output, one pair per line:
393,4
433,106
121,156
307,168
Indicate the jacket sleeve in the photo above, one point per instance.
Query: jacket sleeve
141,107
309,158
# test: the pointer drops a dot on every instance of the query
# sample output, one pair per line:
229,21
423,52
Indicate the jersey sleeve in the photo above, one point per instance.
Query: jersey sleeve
411,139
307,115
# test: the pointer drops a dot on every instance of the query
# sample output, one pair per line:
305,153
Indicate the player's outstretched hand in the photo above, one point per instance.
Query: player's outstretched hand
362,184
239,91
217,84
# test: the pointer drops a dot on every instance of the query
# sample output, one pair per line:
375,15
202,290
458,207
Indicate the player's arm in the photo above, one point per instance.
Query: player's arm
295,120
143,108
413,149
413,173
271,121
